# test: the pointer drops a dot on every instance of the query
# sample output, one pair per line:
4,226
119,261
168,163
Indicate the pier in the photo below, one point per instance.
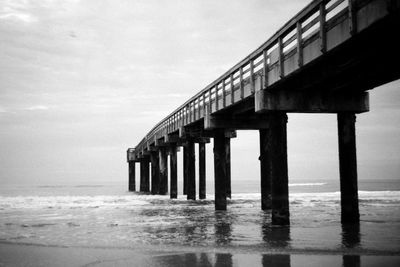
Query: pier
324,60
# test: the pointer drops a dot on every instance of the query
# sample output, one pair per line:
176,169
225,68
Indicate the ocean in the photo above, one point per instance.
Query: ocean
108,216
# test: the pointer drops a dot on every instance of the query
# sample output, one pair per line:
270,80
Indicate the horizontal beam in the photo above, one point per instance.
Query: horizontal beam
311,101
237,122
171,139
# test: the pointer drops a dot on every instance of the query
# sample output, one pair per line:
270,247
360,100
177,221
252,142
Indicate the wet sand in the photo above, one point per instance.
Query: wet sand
36,255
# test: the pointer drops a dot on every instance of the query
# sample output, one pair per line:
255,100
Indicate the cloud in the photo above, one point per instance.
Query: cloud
38,107
16,16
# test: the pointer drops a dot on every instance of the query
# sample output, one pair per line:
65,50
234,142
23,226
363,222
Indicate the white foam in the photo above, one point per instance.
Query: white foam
306,184
34,202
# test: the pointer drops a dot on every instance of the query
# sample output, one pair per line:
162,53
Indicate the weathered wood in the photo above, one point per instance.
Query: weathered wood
220,169
322,27
163,176
238,122
374,17
223,94
132,186
252,86
228,167
266,202
278,169
185,168
202,170
154,173
353,16
266,69
174,172
144,176
241,83
170,139
311,101
280,58
191,173
348,167
299,32
232,91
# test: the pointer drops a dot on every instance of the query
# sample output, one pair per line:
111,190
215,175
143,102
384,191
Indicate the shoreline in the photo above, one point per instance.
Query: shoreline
242,249
16,254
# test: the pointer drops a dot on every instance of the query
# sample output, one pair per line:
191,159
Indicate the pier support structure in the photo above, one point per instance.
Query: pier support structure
163,168
220,166
348,167
266,200
173,165
202,170
132,178
144,175
189,165
273,142
131,159
276,158
185,169
154,172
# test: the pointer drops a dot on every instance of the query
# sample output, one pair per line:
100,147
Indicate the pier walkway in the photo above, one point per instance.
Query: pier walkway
324,60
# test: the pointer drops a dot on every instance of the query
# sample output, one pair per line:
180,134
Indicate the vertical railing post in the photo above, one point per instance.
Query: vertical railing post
280,54
232,91
299,32
223,93
251,66
353,16
216,98
265,65
241,83
322,27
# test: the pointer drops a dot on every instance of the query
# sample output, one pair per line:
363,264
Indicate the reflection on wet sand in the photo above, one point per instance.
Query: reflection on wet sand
276,260
276,237
223,228
351,235
351,239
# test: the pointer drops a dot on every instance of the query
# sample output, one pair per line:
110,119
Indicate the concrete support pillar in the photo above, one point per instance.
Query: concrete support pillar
132,186
191,170
228,167
202,170
348,167
154,172
220,175
266,202
185,169
278,169
144,176
163,176
174,172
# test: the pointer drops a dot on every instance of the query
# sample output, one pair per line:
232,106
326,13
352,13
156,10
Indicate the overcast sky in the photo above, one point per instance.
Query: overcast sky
82,80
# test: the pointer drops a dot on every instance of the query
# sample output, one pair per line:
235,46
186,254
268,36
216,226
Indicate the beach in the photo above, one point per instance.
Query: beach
104,225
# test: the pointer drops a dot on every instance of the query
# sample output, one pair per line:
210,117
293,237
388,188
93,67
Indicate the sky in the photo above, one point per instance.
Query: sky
83,80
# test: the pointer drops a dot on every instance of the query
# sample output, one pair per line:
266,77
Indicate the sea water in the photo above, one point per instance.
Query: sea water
107,216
